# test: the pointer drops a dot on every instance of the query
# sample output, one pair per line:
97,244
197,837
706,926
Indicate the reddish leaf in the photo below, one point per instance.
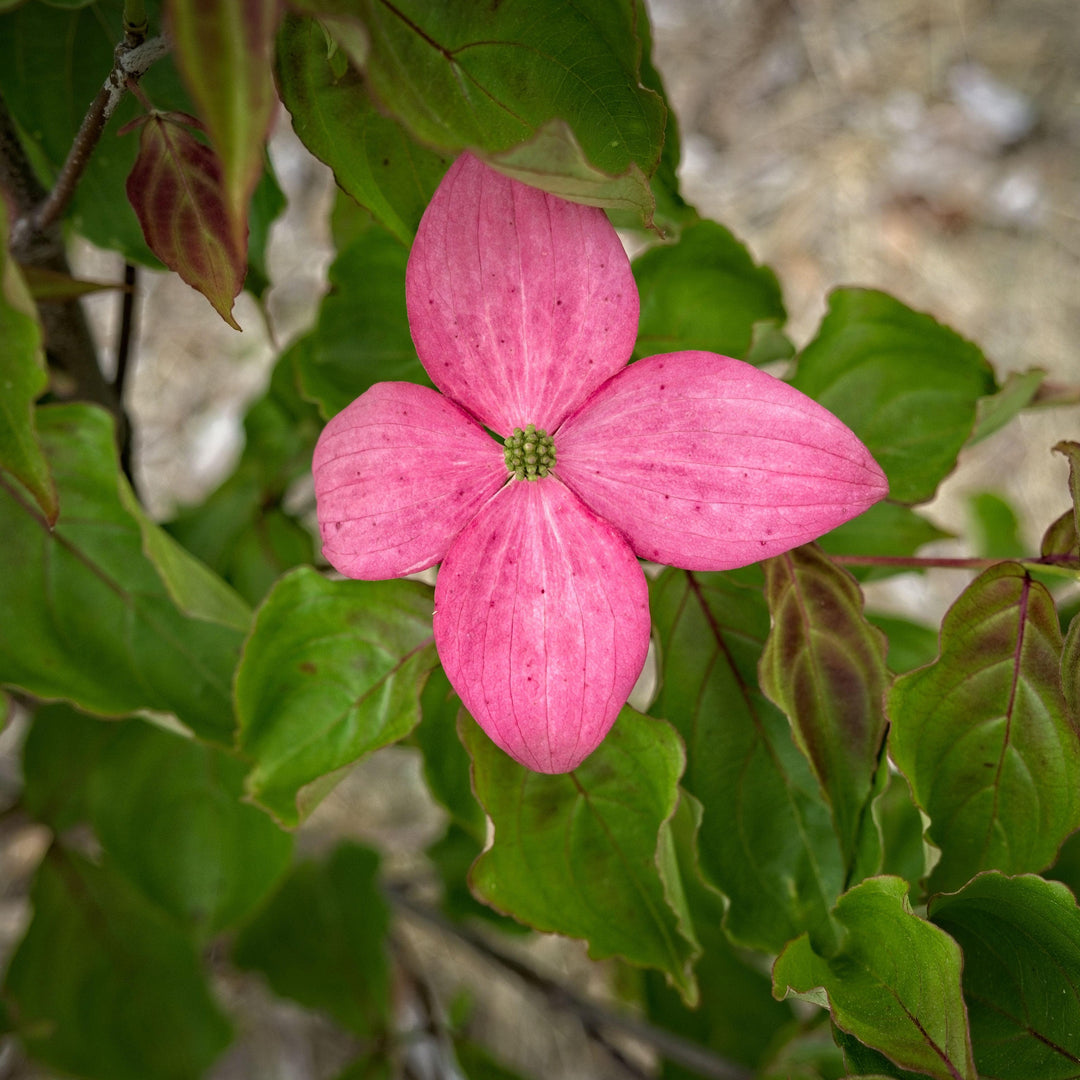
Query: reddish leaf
224,49
177,193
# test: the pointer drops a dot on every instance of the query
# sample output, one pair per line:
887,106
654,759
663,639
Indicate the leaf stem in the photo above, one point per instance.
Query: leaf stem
918,563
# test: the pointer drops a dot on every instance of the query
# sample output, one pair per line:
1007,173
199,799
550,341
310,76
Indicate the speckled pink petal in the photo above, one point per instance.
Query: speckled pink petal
542,623
398,474
520,304
708,463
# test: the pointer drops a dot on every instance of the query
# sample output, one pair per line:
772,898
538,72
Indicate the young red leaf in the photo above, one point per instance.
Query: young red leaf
176,190
224,52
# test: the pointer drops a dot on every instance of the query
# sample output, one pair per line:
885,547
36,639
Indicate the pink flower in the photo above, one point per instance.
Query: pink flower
524,312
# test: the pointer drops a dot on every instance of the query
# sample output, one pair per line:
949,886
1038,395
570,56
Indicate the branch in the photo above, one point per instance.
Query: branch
1068,562
594,1017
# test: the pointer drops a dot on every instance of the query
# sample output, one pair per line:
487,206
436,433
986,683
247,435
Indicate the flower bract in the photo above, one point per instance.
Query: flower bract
524,313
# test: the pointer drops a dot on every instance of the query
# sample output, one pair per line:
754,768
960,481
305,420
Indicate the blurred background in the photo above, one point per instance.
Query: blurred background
929,148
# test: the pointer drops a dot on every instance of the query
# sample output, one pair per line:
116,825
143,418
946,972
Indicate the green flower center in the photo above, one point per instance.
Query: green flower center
529,453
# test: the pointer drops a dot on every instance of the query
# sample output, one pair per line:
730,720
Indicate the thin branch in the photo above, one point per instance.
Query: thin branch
593,1016
1070,562
129,63
123,354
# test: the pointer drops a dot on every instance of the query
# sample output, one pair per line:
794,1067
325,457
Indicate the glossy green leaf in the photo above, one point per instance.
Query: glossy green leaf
214,857
373,158
983,736
1016,394
52,63
995,528
767,839
224,51
703,292
490,78
887,528
362,336
737,1018
583,853
894,984
1021,942
331,671
911,644
905,384
130,620
824,665
59,755
176,189
104,986
23,380
321,940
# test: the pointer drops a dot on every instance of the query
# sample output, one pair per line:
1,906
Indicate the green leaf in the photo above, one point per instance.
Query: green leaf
982,734
810,1055
1070,669
911,644
1021,942
1071,450
321,940
995,529
703,292
1016,394
767,839
213,857
478,1064
373,158
362,336
905,384
331,671
23,381
861,1060
105,986
581,853
737,1018
1061,537
489,78
176,188
887,528
224,53
60,753
131,620
267,204
824,665
894,984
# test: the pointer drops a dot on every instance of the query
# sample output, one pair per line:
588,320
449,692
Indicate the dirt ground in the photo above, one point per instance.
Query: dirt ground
930,148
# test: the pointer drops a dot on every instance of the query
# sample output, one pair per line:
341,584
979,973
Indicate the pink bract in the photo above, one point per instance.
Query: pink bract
523,309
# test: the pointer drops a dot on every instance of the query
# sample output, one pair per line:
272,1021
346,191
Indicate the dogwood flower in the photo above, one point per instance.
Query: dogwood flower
524,313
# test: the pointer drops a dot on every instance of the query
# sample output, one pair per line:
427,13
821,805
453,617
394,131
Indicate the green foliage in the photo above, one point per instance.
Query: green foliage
1021,942
331,671
893,983
905,384
104,985
321,940
134,621
575,854
1012,795
704,292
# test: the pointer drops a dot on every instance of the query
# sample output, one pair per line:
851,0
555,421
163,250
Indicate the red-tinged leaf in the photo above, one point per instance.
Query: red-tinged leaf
983,734
1070,668
824,665
1071,450
1061,537
224,49
177,193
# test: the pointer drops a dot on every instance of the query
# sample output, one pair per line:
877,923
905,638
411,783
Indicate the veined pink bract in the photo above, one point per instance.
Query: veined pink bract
524,312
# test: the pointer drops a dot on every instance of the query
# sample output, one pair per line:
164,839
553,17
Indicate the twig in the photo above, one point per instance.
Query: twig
917,563
129,63
594,1017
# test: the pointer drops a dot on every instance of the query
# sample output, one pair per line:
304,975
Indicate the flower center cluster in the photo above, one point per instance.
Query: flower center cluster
529,453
